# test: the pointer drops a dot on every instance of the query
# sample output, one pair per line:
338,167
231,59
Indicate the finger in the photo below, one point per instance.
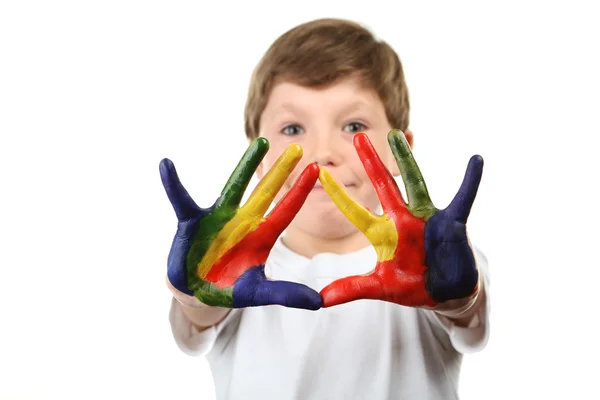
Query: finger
254,289
419,201
260,200
383,182
362,218
234,189
284,212
183,204
460,207
352,288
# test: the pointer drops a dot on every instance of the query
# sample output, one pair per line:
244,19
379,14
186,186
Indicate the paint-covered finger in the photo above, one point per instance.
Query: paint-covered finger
419,201
352,288
383,182
234,189
362,218
253,289
288,207
183,204
261,198
460,207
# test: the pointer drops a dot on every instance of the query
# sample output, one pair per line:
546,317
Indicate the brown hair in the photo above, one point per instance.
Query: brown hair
318,53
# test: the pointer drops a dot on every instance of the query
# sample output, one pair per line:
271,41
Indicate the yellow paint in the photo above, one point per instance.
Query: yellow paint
380,230
251,215
269,186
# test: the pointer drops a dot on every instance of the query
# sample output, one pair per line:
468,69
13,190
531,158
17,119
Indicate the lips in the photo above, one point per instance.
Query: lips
318,186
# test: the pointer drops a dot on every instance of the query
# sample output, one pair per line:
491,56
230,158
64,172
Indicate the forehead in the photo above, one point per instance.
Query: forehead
342,95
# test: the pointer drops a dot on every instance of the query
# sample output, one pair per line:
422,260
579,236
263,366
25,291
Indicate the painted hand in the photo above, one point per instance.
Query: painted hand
218,253
423,254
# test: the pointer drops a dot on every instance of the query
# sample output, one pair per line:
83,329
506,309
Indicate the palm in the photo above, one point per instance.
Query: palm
424,257
452,272
218,253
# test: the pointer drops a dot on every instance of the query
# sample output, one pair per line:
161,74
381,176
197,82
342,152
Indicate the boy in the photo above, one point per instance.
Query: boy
318,86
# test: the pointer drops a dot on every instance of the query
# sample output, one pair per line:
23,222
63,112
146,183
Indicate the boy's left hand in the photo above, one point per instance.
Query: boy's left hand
423,254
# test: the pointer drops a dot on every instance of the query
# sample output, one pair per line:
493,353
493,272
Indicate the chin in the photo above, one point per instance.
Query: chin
323,220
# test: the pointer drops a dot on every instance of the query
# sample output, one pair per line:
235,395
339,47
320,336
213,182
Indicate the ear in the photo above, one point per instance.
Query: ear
395,170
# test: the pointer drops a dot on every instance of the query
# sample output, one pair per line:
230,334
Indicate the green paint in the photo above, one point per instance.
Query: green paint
208,229
209,294
225,209
234,189
419,202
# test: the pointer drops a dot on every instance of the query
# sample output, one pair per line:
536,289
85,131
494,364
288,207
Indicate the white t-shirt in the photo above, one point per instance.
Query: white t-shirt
365,349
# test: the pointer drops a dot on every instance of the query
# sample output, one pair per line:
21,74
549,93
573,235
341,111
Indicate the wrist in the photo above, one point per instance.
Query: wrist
183,299
462,309
458,308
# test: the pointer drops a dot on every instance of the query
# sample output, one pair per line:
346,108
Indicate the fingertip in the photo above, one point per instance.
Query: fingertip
293,153
476,164
308,177
295,148
315,302
261,141
477,160
396,133
324,176
361,140
397,141
308,300
261,146
165,163
312,171
167,171
328,301
325,294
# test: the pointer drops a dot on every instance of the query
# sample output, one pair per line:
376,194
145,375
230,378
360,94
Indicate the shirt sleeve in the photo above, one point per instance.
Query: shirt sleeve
473,338
189,338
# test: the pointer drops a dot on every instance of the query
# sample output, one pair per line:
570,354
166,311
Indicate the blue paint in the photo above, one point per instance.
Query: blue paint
188,215
254,289
452,270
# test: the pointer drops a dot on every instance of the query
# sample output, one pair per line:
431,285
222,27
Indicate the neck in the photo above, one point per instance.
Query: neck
308,245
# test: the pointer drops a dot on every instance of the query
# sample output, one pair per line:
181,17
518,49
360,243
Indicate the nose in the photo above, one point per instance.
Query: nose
323,150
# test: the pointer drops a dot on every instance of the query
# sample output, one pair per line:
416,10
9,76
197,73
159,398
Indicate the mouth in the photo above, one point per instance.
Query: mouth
318,187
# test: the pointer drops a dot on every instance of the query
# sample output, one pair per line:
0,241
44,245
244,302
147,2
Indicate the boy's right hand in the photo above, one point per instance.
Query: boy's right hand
218,253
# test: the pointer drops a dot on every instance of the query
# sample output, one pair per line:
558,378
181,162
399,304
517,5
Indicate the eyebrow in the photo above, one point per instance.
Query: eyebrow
289,107
357,105
354,106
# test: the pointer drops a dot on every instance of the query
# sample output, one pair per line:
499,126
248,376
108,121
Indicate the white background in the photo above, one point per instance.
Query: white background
94,94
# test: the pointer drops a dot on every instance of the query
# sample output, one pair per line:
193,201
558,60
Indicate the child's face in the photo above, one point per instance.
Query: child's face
323,121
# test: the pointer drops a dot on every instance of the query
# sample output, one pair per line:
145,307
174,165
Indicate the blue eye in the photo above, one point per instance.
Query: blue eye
292,130
354,127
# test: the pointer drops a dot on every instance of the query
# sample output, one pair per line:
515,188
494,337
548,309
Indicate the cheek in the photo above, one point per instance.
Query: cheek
387,157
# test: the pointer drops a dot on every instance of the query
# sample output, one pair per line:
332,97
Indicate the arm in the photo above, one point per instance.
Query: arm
464,312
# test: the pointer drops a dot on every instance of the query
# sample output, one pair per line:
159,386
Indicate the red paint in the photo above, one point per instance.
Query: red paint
400,280
254,249
387,190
